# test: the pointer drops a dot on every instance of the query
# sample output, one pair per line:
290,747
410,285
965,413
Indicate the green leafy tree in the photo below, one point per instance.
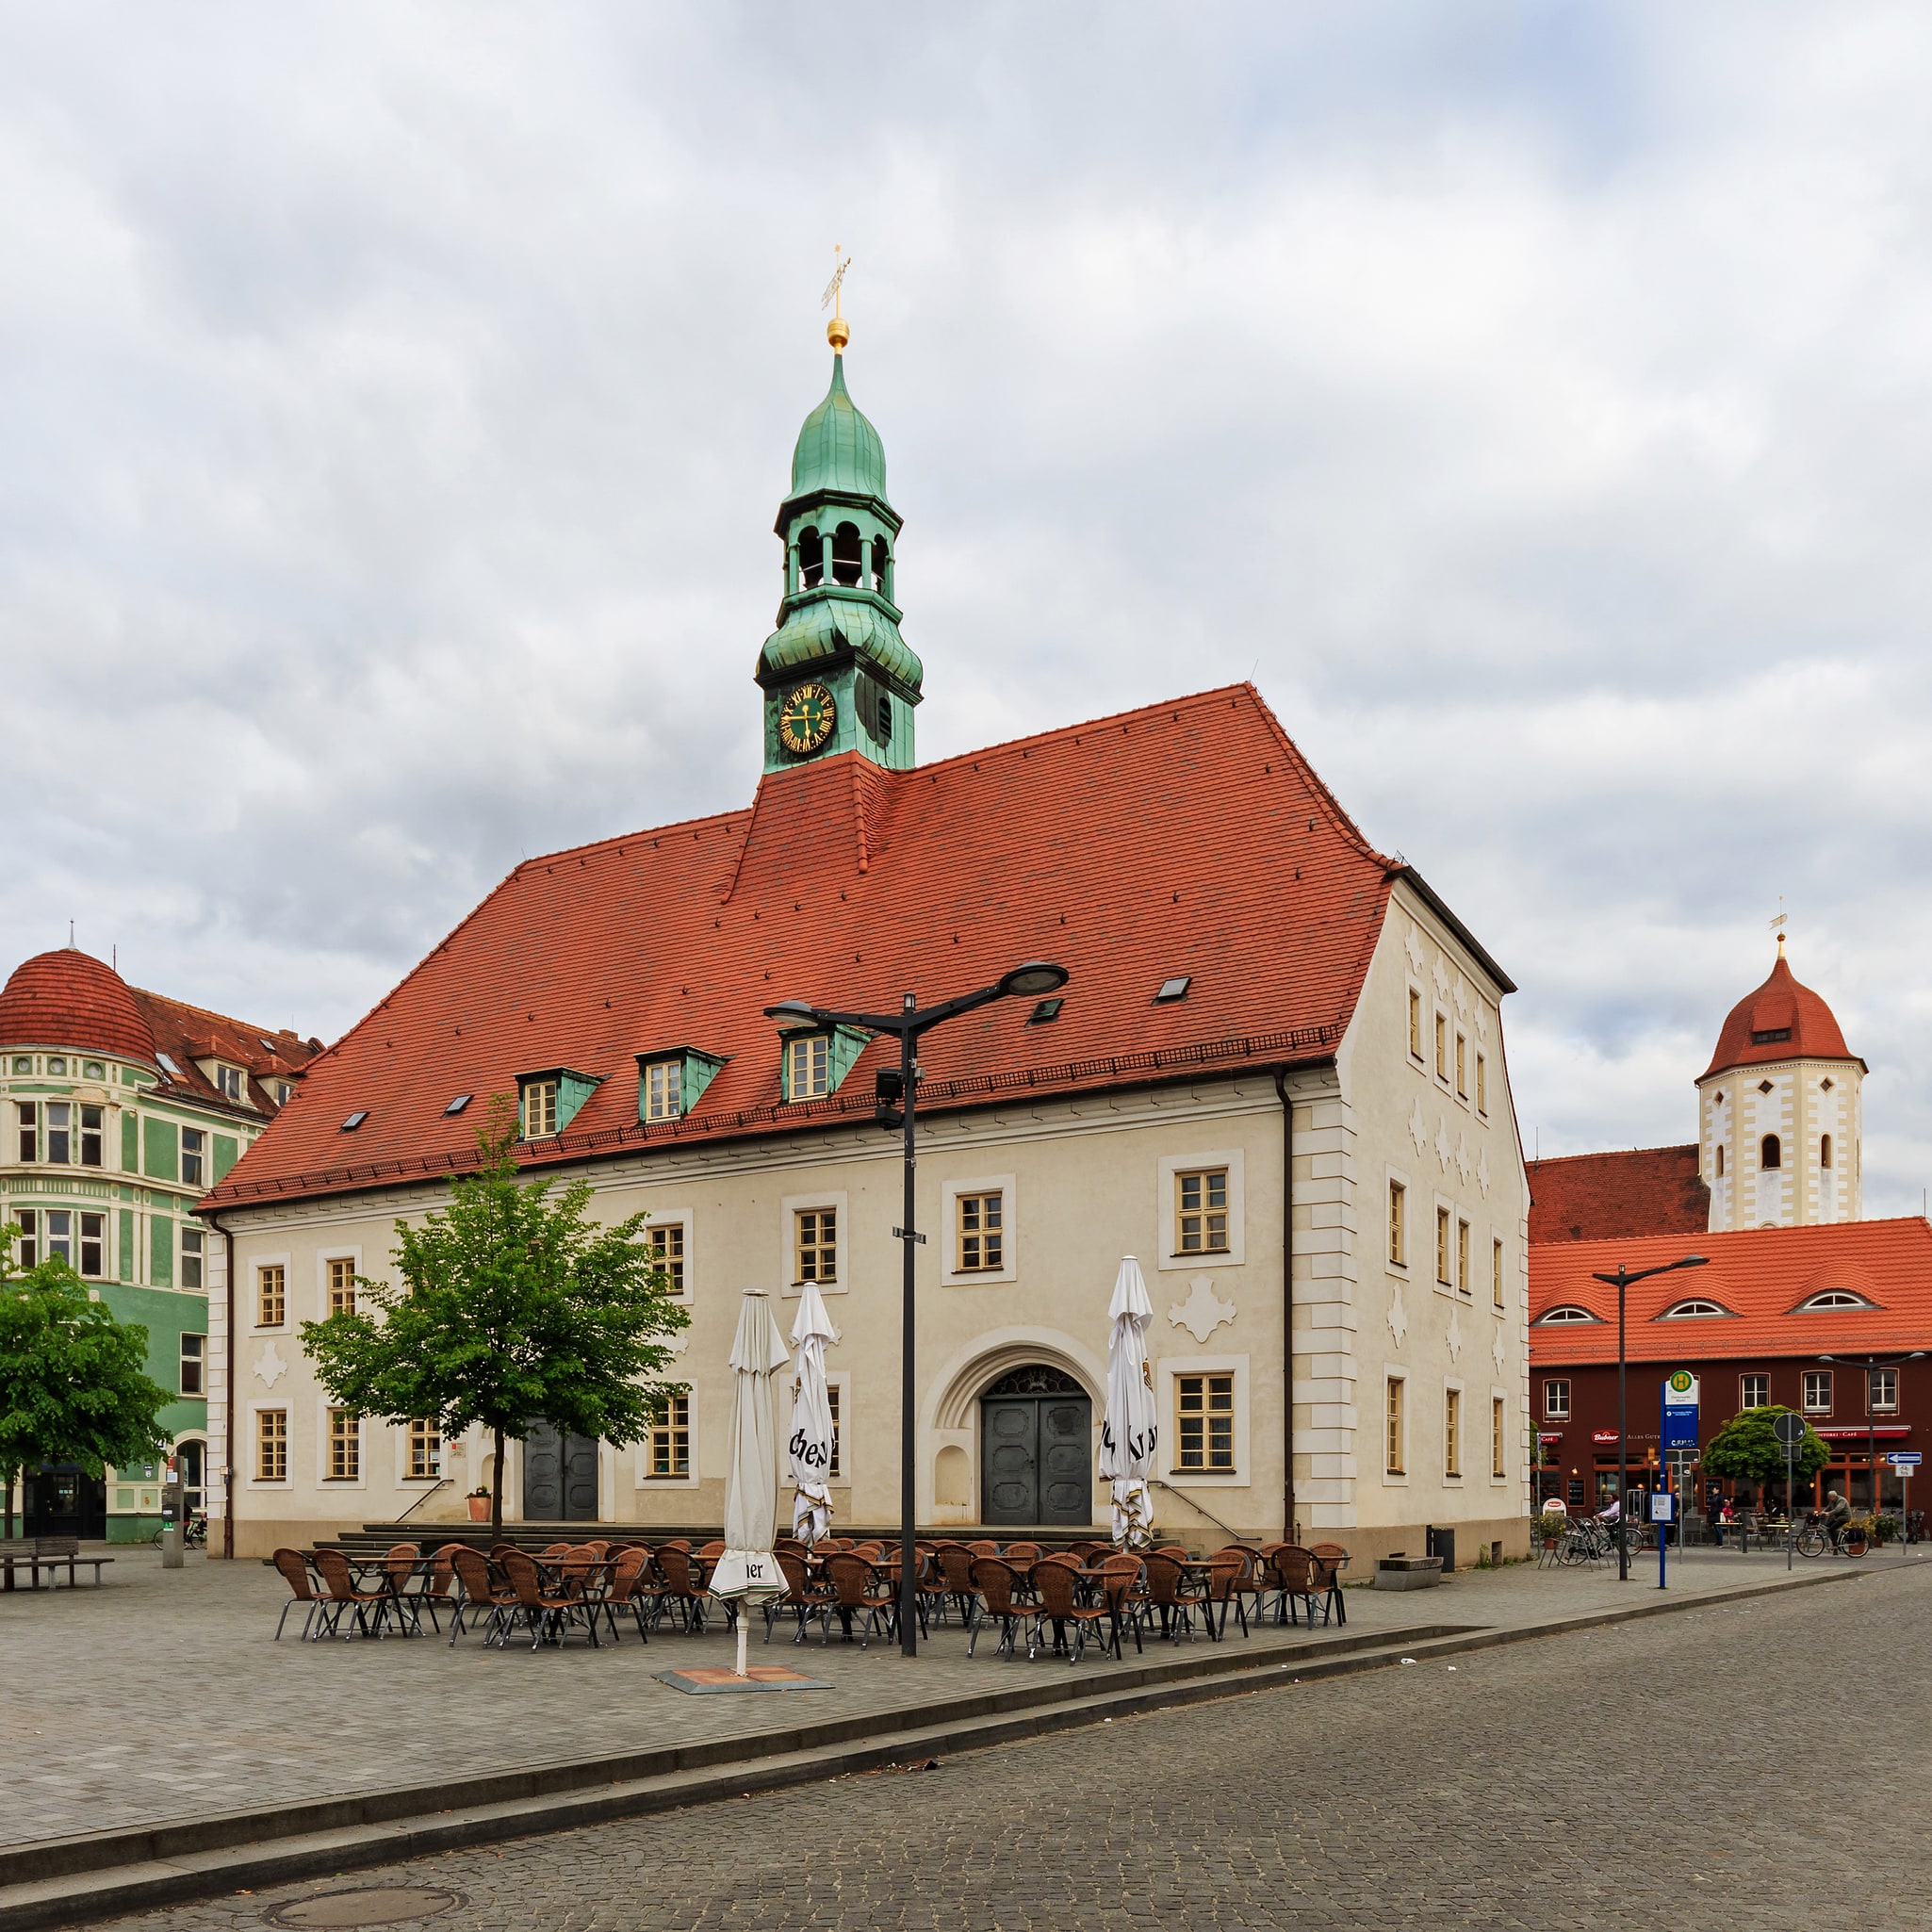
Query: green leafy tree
73,1382
512,1307
1746,1446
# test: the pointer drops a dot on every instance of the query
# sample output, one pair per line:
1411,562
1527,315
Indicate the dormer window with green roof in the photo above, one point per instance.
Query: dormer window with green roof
814,1064
548,1101
670,1084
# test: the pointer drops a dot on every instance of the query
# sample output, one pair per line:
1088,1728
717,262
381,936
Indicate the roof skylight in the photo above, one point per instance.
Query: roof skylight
354,1120
1045,1010
169,1066
1174,988
457,1104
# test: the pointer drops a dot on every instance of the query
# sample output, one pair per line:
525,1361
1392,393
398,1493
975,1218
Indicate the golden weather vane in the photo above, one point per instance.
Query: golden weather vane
837,333
1778,923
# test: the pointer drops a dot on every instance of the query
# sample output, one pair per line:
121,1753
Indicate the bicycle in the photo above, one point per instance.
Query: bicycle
194,1534
1816,1537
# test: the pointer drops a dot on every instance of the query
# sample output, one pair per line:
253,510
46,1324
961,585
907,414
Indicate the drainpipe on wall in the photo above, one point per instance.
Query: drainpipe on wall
1290,1529
228,1408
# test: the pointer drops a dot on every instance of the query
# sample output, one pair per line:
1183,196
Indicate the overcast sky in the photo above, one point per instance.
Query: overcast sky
1535,400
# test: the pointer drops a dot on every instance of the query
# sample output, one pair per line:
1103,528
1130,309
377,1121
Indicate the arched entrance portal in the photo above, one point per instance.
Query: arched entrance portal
1036,1435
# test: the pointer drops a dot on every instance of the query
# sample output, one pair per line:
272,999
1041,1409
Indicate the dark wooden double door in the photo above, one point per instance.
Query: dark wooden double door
559,1476
1035,1433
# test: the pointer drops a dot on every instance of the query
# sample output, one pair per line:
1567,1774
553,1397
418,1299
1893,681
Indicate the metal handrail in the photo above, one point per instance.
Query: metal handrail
441,1482
1208,1514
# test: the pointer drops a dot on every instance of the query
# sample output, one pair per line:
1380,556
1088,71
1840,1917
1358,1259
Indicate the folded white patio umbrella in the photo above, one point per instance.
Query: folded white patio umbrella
747,1567
812,1418
1130,1430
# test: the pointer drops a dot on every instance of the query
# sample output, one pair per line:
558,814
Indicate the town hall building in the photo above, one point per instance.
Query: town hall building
1276,1074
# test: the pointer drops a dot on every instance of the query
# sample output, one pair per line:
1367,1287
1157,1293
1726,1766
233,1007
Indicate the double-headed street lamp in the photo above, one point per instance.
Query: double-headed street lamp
1621,1281
1035,977
1870,1363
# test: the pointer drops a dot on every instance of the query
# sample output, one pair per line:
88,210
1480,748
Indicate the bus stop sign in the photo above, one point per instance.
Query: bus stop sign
1680,1410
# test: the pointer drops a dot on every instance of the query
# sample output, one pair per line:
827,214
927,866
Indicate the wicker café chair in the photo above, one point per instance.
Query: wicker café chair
1331,1559
992,1584
858,1587
295,1574
805,1597
549,1613
629,1591
1092,1552
681,1591
955,1563
1055,1589
345,1593
1237,1585
1165,1594
481,1593
985,1546
1120,1583
1022,1553
934,1590
1298,1569
438,1588
399,1570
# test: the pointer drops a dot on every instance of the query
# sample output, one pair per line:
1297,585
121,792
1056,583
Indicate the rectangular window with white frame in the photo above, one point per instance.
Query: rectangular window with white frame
1442,1248
1881,1388
815,1234
1754,1391
193,1256
1482,1084
1204,1424
663,1090
665,1240
1462,1066
28,1250
808,1067
194,1148
342,1446
1442,1052
1496,1296
425,1451
980,1213
1462,1257
1201,1210
1398,1224
1556,1398
1498,1438
667,1448
1817,1392
539,1110
338,1272
272,1294
835,1400
1415,1024
272,1444
93,1251
194,1351
1453,1430
1395,1426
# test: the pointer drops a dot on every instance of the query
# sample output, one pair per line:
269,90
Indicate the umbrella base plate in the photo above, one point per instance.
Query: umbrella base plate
760,1677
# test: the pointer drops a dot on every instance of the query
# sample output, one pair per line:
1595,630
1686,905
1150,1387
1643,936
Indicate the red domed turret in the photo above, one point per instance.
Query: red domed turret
1781,1021
70,1000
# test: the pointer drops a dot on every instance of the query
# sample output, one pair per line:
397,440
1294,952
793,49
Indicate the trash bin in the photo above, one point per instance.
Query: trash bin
1441,1543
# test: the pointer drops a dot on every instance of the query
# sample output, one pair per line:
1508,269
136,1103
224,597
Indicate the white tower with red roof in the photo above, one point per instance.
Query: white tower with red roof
1779,1112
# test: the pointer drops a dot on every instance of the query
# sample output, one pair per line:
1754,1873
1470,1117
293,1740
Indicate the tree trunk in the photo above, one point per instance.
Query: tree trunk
7,1478
497,1494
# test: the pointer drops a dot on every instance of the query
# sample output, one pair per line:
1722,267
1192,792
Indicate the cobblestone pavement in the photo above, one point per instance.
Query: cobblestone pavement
1753,1764
162,1694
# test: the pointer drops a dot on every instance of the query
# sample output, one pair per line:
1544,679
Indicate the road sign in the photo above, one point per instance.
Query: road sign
1905,1459
1789,1428
1680,1410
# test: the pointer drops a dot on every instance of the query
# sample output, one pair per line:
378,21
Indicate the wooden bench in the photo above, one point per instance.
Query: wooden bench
50,1553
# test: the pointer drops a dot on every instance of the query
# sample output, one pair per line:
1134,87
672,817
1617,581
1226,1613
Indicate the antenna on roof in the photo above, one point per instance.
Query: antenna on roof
69,935
1777,925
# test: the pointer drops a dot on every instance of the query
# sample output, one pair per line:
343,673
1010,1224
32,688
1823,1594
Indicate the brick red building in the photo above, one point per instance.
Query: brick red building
1785,1315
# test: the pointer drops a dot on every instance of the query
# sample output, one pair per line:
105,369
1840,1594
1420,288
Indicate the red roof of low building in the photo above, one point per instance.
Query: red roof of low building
187,1034
1759,1276
69,999
1187,839
1781,1021
1639,1191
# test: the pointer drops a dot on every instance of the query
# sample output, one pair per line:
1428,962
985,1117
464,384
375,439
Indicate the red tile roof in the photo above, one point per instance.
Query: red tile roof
187,1034
1759,1275
1190,838
1781,1021
1643,1190
70,999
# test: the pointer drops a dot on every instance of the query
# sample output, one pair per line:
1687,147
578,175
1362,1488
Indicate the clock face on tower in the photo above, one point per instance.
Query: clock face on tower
807,718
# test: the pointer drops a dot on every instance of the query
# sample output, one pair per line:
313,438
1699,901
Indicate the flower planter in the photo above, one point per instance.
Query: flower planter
478,1508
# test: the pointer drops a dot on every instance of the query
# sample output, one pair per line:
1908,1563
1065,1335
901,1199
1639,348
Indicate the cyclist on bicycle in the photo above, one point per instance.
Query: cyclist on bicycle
1838,1513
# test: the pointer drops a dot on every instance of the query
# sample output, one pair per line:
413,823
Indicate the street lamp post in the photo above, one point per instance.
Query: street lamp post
1870,1363
909,1023
1621,1282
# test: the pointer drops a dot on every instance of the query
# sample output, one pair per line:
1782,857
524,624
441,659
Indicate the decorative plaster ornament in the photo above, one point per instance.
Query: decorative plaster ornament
1454,1337
677,1343
1440,974
1203,1312
1463,1157
1412,944
270,1365
1483,1175
1498,1354
1462,998
1398,1316
1418,1127
1481,1019
1442,1144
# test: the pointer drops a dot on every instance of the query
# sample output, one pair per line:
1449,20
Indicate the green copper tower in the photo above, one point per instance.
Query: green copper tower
836,674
